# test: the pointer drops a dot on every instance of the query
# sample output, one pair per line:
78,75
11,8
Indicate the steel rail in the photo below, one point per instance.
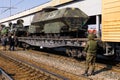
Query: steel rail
4,75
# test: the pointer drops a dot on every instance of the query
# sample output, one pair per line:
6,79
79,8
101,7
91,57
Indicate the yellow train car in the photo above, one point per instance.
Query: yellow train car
111,27
111,20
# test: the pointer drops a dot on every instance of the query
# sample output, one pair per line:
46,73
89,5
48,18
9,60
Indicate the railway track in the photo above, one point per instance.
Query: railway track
33,57
21,70
4,75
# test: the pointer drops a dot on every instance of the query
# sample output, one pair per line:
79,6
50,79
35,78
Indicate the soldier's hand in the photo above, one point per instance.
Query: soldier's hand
83,44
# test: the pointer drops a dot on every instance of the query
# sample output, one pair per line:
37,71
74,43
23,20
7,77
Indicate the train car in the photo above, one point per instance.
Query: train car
111,26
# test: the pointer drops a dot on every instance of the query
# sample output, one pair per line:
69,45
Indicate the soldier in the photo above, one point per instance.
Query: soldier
11,42
16,42
91,49
4,41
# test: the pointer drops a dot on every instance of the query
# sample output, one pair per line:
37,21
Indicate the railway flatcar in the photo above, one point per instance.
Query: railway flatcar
65,28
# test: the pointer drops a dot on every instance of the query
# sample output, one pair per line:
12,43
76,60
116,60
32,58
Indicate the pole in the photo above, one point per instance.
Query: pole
98,26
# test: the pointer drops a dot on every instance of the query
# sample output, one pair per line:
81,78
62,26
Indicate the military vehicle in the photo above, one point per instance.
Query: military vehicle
58,23
60,28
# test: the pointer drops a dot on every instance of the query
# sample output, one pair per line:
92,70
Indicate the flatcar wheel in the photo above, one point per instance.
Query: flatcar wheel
73,53
80,54
68,52
24,45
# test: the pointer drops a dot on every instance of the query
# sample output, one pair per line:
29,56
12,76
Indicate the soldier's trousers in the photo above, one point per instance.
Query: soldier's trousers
90,62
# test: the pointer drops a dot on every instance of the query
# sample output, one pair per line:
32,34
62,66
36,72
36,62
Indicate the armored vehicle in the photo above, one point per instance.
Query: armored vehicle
59,22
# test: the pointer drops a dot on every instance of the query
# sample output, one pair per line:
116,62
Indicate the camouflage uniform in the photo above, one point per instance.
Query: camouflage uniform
91,49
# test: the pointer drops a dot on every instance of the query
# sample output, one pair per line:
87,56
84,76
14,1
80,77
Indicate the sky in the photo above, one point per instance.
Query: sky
17,6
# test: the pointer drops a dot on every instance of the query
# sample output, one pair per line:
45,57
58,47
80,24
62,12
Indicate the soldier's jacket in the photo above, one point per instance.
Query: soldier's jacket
91,46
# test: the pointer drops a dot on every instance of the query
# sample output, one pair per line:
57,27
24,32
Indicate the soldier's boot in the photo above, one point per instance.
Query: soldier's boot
86,73
92,73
